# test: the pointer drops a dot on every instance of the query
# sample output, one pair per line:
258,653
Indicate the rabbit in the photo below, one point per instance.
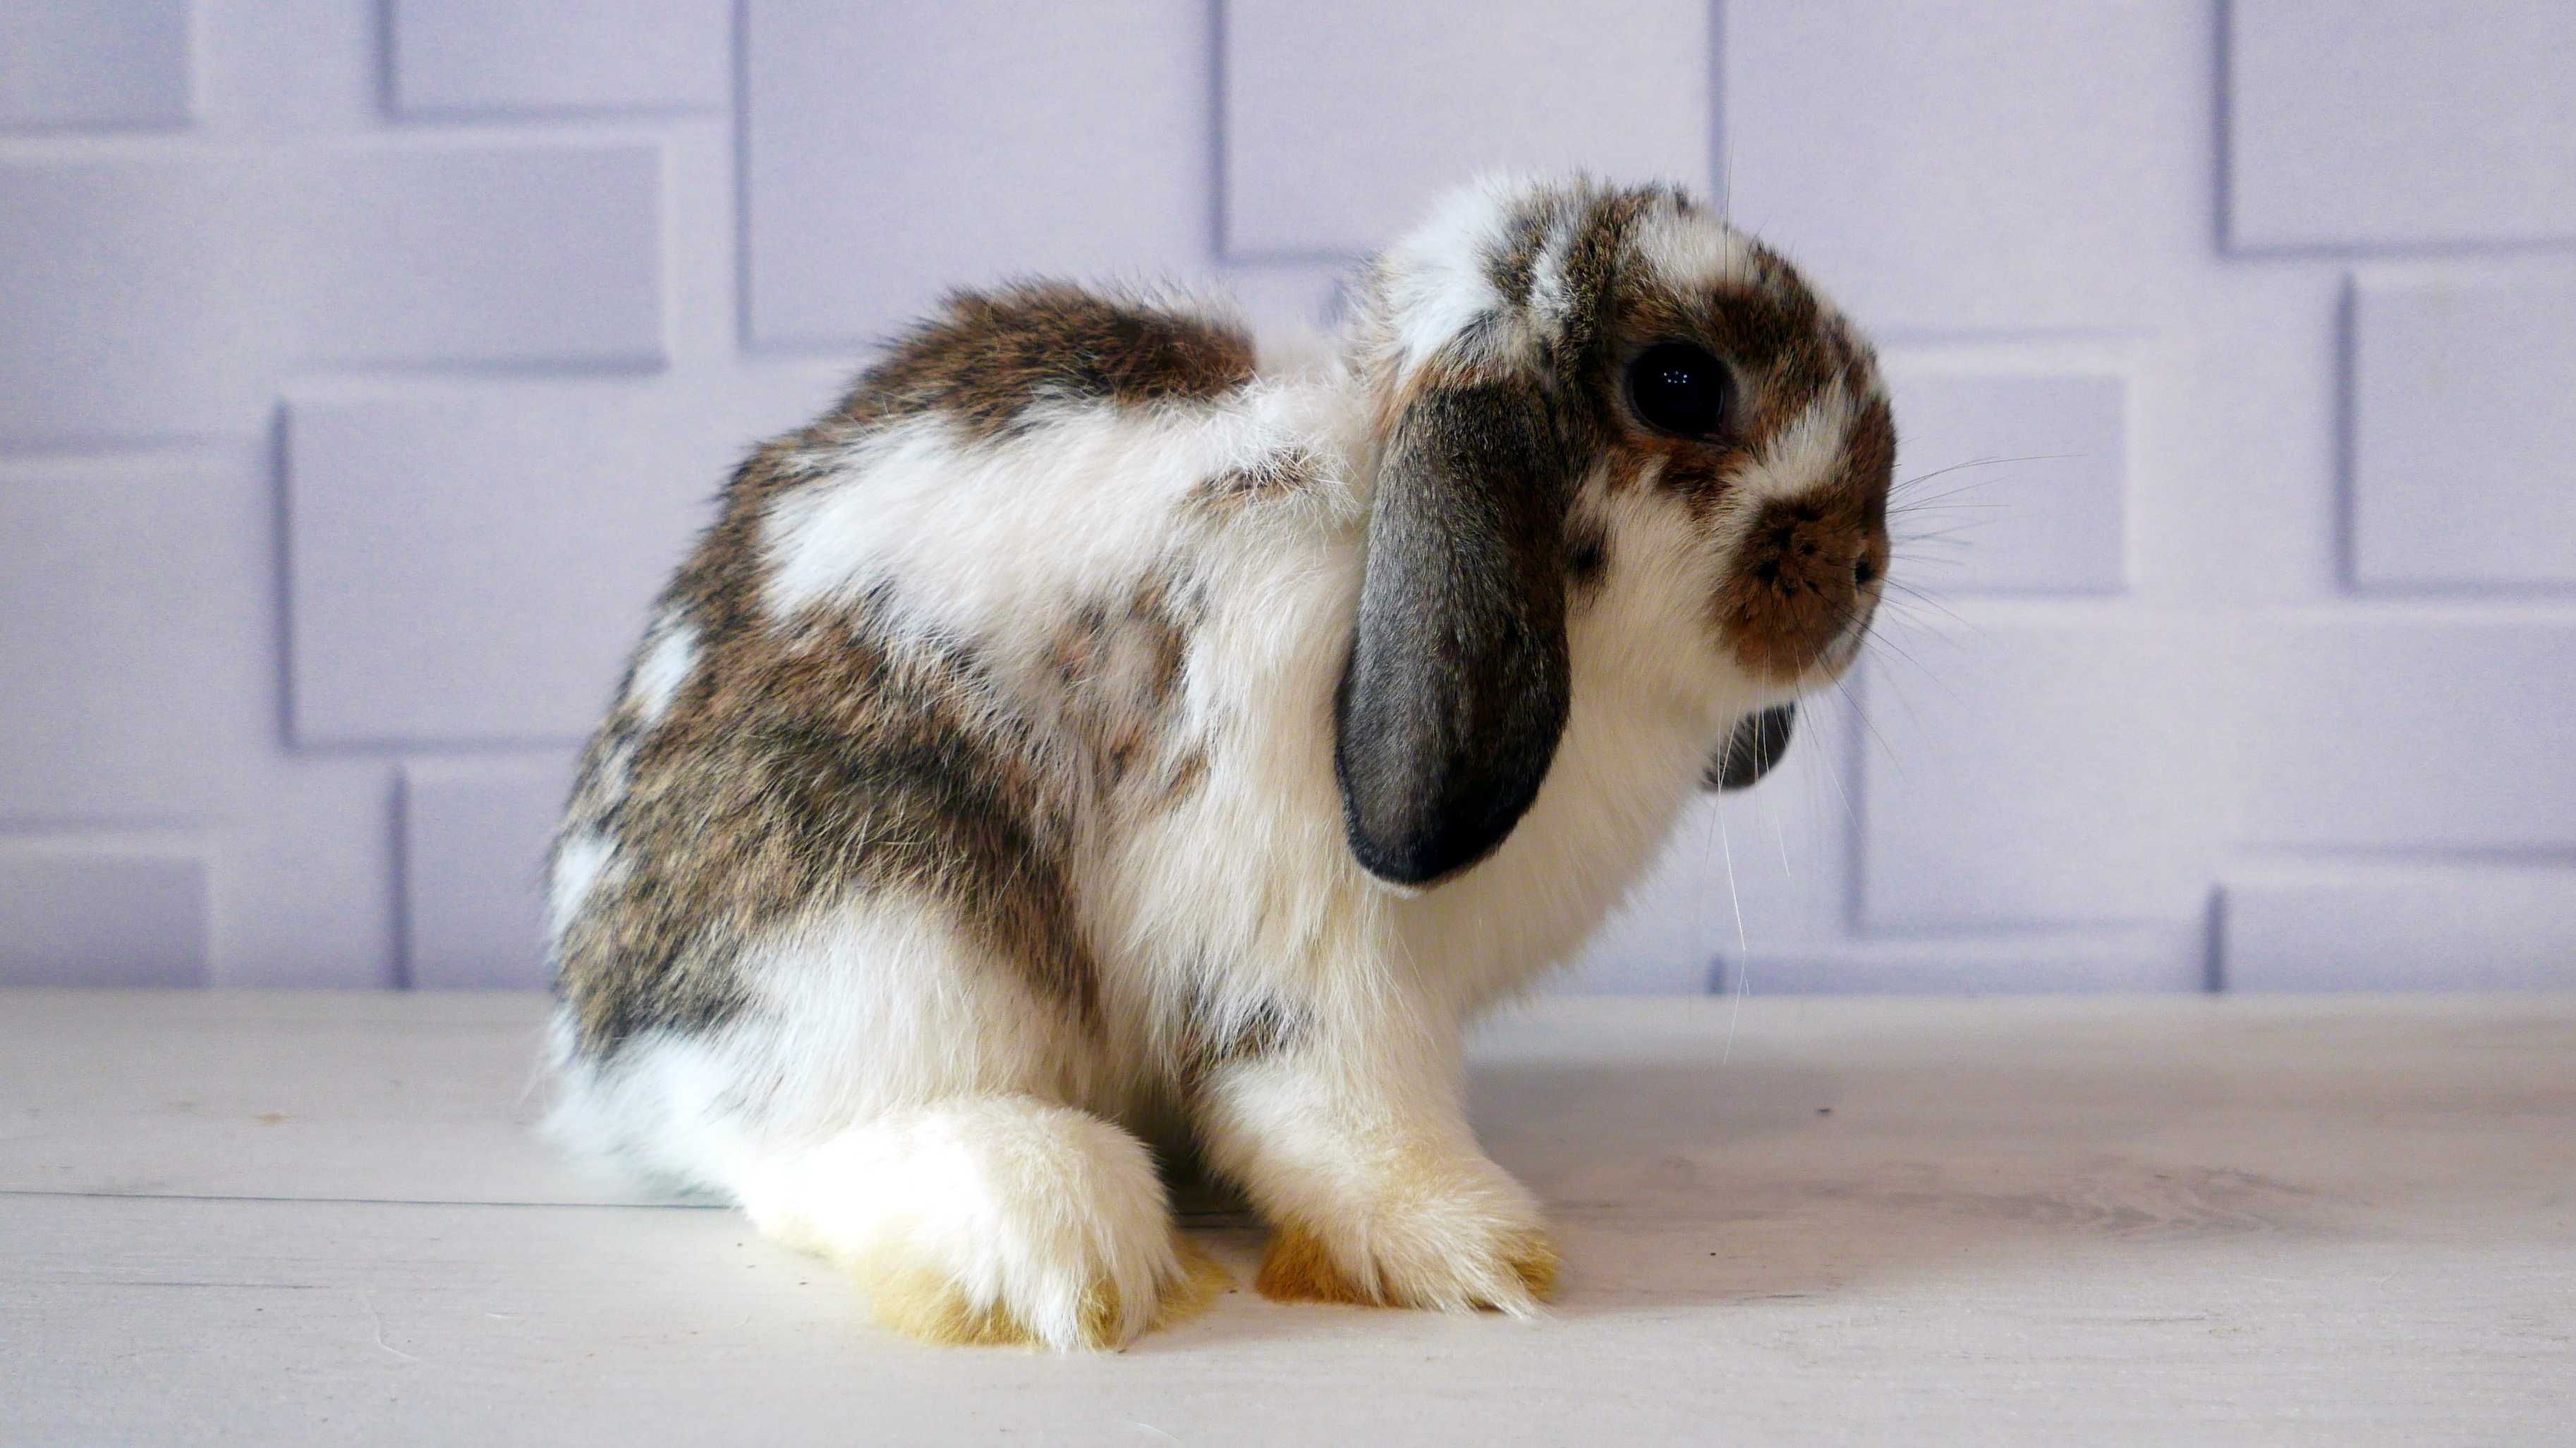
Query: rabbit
1101,744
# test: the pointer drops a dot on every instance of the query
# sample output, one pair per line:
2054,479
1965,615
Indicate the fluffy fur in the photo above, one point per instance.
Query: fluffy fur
1098,741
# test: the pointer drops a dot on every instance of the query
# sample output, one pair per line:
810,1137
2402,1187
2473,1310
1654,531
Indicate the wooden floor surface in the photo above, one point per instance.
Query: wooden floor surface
280,1218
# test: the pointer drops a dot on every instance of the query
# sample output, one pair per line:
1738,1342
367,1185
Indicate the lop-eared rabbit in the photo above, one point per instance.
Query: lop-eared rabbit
1100,741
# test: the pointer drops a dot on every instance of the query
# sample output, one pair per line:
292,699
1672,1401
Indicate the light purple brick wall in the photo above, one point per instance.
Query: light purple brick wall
364,363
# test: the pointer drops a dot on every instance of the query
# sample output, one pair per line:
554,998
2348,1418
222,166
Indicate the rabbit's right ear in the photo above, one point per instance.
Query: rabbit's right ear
1457,687
1752,747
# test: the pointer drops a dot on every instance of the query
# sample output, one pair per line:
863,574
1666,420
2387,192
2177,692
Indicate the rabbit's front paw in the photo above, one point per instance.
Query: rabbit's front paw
1455,1236
1074,1305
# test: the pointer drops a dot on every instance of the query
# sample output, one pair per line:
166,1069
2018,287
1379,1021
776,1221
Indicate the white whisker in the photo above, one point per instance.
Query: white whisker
1743,949
1982,463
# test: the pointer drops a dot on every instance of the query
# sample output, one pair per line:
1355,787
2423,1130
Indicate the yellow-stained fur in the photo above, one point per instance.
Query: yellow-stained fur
1300,1268
925,1304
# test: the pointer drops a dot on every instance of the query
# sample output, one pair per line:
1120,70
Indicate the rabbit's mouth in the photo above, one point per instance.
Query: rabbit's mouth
1843,650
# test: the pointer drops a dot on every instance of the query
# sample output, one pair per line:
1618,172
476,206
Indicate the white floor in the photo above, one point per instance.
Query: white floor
275,1219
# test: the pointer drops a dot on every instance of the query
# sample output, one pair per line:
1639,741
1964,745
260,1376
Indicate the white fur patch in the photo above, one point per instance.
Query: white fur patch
1548,295
1693,253
665,667
1803,454
1014,536
1437,285
578,867
1011,1201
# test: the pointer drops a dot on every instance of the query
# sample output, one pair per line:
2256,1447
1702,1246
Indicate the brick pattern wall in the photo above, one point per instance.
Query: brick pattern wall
367,362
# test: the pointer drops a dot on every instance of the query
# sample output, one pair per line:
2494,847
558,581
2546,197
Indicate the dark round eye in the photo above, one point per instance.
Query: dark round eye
1679,388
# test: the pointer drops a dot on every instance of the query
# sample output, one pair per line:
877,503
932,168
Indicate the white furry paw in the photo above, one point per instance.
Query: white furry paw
1064,1306
1000,1220
1455,1236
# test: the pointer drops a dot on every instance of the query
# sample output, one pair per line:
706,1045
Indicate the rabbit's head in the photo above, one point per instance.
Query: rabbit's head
1580,389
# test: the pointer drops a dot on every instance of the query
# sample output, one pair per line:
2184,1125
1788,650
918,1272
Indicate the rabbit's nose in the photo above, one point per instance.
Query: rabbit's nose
1803,579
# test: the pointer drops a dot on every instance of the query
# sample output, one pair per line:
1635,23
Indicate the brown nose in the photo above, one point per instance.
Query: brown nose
1805,574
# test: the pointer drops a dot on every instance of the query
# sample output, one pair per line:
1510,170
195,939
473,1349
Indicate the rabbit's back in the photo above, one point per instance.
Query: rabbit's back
1033,633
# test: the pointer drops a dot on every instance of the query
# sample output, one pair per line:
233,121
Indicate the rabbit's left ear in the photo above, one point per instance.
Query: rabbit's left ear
1456,690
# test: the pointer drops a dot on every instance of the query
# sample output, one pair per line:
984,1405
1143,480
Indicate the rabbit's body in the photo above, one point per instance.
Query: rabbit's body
983,802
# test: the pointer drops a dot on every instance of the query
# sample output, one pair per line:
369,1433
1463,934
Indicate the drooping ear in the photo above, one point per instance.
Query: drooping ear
1456,690
1754,745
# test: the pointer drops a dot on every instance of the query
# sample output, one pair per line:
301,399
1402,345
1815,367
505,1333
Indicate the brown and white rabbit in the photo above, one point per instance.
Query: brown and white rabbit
1096,731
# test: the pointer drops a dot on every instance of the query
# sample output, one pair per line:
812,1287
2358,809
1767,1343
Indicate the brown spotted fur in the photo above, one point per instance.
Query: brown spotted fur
989,356
806,762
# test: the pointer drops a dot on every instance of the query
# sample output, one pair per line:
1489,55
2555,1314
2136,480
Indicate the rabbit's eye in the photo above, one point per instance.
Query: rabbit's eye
1679,388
